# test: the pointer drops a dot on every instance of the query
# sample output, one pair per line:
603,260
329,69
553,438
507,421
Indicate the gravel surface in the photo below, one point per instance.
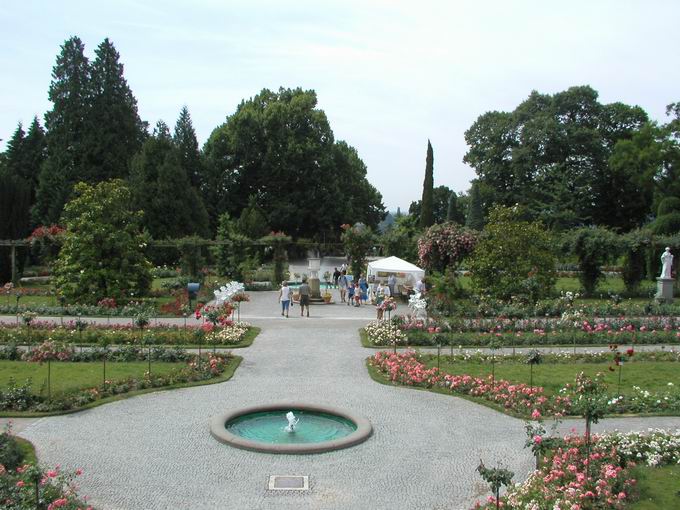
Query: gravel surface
155,451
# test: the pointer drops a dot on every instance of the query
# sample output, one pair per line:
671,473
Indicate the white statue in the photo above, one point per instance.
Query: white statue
667,261
292,421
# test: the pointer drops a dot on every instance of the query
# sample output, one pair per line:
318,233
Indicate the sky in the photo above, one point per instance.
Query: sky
389,74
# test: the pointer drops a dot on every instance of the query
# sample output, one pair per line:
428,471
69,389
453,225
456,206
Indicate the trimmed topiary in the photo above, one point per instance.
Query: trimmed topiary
668,205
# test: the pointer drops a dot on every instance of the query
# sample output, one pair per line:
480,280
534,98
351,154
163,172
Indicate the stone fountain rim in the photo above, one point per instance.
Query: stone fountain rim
219,431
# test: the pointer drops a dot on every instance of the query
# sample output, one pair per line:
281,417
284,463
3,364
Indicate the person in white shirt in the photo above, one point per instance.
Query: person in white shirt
420,287
284,297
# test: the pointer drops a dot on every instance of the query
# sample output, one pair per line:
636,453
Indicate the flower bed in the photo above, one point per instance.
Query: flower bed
562,481
405,368
541,337
21,481
521,399
121,334
547,324
19,397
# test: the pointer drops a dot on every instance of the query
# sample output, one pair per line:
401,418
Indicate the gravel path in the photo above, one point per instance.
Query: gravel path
155,452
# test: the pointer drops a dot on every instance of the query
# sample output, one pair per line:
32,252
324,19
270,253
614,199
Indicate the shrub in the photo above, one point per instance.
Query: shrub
102,254
11,454
668,205
515,258
594,247
444,246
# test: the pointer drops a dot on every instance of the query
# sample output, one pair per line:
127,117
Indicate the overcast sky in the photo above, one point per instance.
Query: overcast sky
388,74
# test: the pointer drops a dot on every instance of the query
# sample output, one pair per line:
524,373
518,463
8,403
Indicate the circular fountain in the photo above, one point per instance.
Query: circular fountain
290,427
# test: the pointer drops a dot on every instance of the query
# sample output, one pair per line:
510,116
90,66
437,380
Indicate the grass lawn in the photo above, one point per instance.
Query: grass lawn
658,488
69,376
652,376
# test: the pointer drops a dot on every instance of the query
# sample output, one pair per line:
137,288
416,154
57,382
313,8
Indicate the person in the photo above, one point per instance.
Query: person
379,298
392,284
336,275
305,292
343,267
342,284
284,298
357,294
363,285
420,286
350,293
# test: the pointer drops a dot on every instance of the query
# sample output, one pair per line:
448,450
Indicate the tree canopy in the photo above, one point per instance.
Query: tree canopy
551,155
279,148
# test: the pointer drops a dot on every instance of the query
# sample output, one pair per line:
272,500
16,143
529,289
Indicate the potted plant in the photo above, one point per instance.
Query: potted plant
326,296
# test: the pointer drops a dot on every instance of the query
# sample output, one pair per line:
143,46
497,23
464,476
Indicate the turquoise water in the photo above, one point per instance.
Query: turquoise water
269,427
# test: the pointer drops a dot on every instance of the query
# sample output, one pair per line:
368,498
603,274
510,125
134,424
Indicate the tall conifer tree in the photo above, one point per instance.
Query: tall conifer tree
116,131
475,216
172,207
66,124
187,143
426,211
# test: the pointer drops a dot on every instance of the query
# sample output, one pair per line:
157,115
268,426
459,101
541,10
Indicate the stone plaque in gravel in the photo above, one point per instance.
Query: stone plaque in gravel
288,483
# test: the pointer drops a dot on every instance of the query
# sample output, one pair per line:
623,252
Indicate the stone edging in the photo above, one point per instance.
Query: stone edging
219,432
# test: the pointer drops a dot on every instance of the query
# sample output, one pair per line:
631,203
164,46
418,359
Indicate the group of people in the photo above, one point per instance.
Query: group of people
355,291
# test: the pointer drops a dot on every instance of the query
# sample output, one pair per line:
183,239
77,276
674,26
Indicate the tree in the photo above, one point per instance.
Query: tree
187,144
34,154
252,223
278,146
66,122
475,215
115,131
15,204
160,187
514,258
667,217
357,239
427,201
232,253
551,155
454,212
401,239
440,204
593,246
103,250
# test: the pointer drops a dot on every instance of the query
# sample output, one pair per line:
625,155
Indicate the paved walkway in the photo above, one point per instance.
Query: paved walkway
155,452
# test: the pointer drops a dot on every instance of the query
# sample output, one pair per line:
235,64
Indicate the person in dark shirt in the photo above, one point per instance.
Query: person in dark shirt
305,292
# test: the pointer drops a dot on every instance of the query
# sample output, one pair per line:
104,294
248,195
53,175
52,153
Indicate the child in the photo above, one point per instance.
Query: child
357,295
350,294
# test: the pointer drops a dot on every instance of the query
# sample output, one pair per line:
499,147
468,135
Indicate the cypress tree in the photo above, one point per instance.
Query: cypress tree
475,217
453,212
116,131
426,209
67,127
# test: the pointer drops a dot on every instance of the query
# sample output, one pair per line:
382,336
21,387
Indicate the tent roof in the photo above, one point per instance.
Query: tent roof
394,265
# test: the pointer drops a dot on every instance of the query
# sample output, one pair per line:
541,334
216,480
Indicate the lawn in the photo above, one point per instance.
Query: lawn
658,488
70,376
652,376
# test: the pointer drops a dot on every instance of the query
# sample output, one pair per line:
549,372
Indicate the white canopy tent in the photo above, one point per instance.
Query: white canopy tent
405,272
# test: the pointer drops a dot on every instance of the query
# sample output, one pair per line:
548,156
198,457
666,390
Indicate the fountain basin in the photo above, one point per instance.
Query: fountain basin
261,428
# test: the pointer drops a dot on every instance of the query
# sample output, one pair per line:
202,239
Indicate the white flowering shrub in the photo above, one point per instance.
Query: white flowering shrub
232,334
383,333
656,447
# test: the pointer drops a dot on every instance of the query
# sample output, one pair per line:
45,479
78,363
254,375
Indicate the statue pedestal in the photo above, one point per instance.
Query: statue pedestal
664,290
315,287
